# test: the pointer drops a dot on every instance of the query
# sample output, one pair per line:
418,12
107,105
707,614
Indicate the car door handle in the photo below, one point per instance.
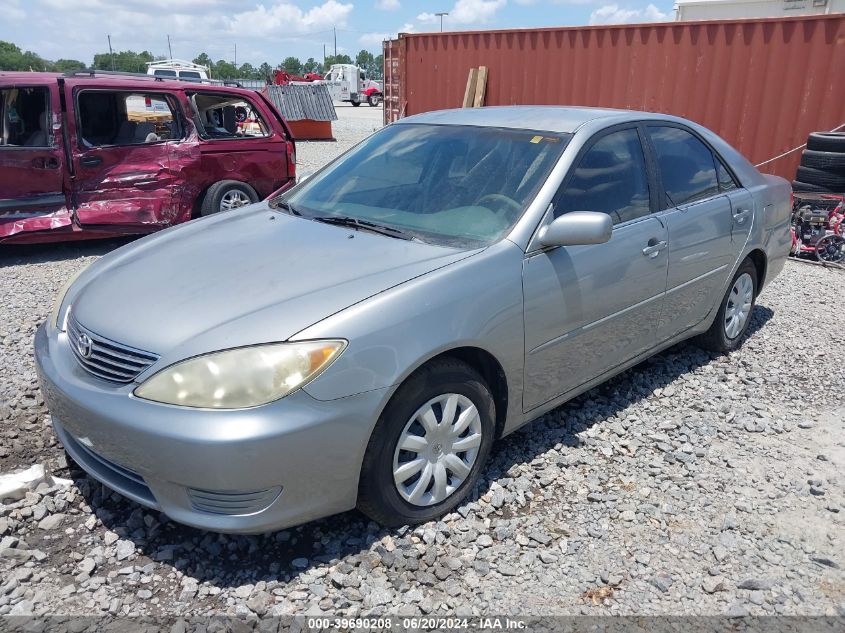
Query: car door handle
653,249
741,215
91,161
49,162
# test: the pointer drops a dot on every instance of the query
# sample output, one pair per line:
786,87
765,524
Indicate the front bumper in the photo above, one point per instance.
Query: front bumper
244,471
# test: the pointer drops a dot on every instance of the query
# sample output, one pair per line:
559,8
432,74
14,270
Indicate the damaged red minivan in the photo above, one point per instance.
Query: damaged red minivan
96,155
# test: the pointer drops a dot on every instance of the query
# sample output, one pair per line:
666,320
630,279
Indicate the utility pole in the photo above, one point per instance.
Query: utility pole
236,55
324,56
440,15
111,52
169,50
334,30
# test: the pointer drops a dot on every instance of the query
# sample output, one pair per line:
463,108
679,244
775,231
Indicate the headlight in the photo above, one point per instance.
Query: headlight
60,299
241,377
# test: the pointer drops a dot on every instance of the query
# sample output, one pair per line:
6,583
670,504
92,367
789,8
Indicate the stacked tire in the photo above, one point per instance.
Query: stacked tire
822,167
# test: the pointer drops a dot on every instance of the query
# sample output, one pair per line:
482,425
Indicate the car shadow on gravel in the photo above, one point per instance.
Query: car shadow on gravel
17,254
228,561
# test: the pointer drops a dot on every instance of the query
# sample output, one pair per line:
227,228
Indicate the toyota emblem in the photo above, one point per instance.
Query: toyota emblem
84,345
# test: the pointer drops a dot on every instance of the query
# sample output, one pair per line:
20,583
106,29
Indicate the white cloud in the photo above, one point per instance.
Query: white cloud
408,27
286,18
465,12
475,11
614,14
387,5
372,39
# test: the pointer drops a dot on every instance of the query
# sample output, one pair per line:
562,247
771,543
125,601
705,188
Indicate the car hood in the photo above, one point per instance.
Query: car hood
247,277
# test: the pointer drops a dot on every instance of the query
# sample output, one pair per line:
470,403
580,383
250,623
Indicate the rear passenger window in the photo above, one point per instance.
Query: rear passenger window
610,178
227,116
25,117
726,181
125,118
686,165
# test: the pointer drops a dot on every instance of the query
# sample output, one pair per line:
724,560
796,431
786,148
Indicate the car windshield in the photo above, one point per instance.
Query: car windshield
456,186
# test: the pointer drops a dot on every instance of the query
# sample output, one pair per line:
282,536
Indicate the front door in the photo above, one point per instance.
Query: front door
32,162
590,308
701,224
122,157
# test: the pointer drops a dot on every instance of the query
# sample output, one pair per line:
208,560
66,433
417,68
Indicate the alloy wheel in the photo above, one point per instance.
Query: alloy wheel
233,199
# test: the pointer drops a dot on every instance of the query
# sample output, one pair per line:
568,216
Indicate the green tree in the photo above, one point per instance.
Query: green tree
13,58
339,59
292,65
364,59
203,60
225,70
68,65
124,61
311,66
265,71
248,71
376,68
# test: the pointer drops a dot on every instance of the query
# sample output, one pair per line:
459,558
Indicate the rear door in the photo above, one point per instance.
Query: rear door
700,222
32,162
122,146
240,137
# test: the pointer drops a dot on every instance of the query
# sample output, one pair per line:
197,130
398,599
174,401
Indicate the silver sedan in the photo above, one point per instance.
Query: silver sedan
363,338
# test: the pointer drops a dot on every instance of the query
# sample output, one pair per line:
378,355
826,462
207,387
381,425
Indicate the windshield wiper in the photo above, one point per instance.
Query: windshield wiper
365,225
283,204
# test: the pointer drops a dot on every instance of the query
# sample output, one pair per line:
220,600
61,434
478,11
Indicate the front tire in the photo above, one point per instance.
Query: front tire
374,100
732,320
429,445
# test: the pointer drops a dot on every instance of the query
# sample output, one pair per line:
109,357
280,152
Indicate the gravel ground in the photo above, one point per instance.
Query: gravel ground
691,484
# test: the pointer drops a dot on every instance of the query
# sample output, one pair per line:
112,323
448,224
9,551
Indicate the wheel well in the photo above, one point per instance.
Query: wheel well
758,258
491,370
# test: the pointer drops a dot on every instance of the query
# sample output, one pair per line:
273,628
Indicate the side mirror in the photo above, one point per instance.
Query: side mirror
577,228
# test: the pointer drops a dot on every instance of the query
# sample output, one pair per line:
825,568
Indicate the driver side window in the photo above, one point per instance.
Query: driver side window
611,178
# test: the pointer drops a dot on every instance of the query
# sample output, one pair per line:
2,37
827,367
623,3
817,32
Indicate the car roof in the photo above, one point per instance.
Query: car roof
564,119
134,81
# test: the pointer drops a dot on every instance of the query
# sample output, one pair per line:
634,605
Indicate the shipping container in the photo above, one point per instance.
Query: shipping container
762,84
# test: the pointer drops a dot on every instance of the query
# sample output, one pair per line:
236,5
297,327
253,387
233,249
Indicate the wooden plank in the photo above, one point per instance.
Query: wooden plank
469,94
480,87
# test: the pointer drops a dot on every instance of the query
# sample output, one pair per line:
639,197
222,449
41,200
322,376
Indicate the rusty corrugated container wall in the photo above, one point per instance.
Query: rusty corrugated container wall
763,85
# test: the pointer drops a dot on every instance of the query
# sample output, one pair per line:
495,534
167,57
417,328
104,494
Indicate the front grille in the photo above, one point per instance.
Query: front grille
104,358
232,503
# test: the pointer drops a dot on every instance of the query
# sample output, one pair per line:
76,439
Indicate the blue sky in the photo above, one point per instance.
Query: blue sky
270,31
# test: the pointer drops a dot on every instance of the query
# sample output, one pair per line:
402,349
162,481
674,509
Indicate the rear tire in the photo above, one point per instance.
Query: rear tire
826,161
821,178
826,142
227,195
722,337
355,103
382,493
806,187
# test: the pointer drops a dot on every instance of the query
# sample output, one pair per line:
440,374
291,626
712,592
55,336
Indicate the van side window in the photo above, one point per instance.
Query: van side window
125,118
25,117
686,165
227,116
611,178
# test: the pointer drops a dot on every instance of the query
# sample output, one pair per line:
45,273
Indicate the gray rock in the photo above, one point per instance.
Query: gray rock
51,522
124,549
